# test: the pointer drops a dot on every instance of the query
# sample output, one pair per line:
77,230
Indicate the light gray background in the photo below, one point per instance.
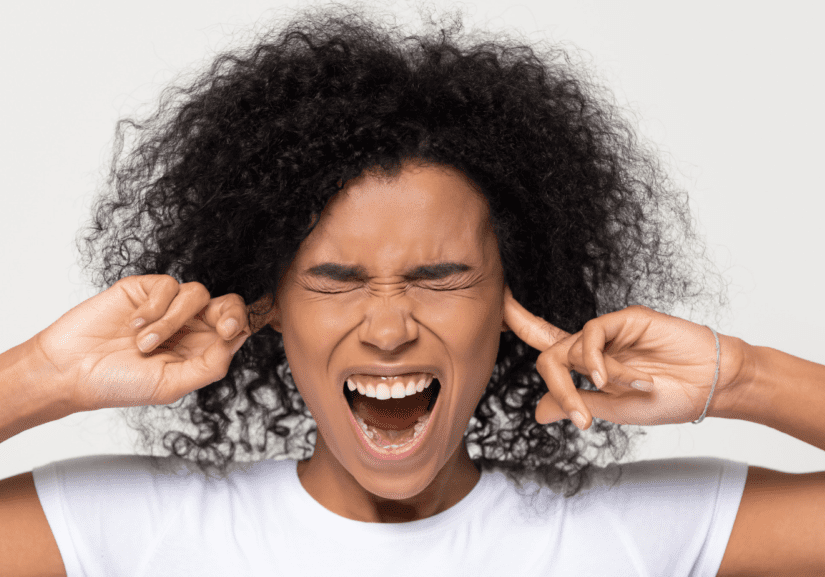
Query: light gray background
730,92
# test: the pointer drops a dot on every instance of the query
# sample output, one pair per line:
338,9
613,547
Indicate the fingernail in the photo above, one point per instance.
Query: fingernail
578,419
137,323
597,379
148,341
642,386
230,326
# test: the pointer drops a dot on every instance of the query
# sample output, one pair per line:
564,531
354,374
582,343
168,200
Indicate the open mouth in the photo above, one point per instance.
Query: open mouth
392,411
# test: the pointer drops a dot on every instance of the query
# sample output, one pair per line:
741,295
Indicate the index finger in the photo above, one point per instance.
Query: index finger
533,330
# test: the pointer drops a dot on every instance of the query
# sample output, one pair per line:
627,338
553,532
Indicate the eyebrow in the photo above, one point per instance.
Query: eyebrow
344,273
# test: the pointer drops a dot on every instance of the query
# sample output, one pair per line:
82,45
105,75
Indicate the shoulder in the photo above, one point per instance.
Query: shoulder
164,484
662,477
624,510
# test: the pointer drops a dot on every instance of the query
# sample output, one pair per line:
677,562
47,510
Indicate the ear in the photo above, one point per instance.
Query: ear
259,317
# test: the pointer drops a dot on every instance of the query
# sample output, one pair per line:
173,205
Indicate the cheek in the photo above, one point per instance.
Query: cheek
307,343
471,333
470,327
309,328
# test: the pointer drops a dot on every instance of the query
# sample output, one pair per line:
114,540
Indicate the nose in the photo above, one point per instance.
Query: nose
388,325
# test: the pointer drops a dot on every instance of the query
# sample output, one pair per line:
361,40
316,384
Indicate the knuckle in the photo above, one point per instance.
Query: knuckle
543,363
155,307
163,328
592,325
236,299
236,304
558,351
545,329
546,364
196,290
168,281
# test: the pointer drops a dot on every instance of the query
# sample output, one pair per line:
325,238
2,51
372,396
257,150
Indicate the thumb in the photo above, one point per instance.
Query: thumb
180,379
600,405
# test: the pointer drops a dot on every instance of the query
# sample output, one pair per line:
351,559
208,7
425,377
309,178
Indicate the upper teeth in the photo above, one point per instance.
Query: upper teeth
396,387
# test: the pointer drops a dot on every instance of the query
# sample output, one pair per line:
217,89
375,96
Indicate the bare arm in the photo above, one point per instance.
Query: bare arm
26,399
777,390
780,525
27,545
90,359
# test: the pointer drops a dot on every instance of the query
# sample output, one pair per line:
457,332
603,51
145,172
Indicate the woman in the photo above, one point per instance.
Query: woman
386,207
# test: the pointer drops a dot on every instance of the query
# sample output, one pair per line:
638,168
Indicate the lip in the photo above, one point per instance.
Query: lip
388,371
408,451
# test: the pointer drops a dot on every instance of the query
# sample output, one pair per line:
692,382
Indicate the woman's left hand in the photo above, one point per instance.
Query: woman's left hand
672,360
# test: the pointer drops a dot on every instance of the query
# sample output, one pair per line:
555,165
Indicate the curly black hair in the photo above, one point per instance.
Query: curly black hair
220,183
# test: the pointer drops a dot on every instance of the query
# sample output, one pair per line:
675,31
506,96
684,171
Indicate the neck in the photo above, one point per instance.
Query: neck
331,485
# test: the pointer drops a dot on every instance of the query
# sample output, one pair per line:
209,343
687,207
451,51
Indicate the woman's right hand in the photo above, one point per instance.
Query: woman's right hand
99,354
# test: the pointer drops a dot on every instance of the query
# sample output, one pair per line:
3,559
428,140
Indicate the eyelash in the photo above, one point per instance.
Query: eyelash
350,290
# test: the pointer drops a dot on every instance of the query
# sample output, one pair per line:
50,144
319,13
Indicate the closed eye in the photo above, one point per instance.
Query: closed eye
442,286
339,278
334,289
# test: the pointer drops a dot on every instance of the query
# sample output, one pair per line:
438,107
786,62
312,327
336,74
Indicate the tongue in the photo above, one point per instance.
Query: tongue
392,414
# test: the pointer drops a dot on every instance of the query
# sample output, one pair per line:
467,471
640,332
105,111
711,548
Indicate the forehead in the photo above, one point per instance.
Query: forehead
423,213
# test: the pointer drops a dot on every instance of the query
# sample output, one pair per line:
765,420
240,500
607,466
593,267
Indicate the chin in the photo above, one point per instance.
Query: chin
395,486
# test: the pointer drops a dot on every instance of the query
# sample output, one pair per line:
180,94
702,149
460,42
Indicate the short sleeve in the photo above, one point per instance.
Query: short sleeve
106,511
676,515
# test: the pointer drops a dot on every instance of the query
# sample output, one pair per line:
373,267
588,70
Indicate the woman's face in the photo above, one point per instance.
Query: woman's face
401,278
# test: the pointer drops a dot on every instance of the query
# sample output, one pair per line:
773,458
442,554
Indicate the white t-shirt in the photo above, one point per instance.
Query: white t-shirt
114,515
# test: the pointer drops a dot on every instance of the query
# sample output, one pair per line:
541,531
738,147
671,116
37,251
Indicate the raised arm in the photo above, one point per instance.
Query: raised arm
780,524
780,391
27,545
93,357
26,400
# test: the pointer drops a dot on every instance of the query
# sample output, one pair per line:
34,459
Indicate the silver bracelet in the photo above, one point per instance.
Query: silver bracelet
715,378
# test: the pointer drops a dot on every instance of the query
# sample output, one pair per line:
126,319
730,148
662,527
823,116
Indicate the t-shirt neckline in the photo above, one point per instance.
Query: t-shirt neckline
319,516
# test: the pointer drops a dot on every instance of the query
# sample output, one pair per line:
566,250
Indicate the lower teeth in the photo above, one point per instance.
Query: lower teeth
374,436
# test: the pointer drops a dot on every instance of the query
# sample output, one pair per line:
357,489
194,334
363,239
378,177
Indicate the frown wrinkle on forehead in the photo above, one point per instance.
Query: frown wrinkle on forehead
425,223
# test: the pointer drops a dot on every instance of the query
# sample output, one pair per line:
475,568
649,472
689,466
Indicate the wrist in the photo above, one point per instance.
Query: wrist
30,390
736,395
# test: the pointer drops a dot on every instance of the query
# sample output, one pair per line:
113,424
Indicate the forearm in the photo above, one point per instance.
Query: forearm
26,399
780,391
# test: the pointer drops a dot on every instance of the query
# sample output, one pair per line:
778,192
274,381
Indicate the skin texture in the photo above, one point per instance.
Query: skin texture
386,316
257,144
